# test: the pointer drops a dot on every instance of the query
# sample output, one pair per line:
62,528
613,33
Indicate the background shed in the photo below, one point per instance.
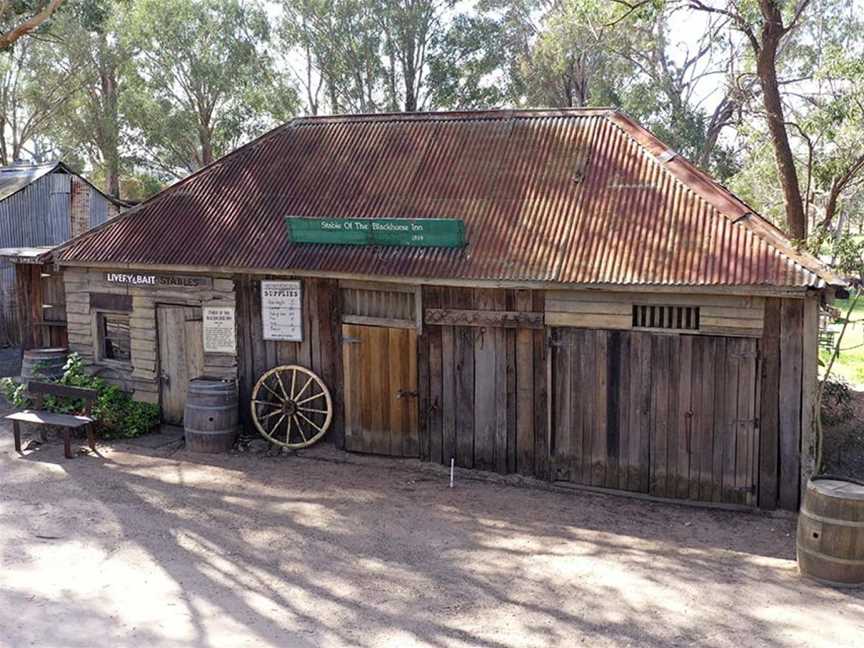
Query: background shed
41,206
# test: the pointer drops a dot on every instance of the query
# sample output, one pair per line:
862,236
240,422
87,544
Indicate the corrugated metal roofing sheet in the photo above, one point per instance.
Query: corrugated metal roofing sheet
16,177
576,197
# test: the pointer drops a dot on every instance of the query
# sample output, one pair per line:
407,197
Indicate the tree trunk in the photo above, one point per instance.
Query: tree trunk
206,145
766,69
110,127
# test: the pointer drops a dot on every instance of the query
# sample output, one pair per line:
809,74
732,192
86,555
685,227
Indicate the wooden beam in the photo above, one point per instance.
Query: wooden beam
809,377
769,408
487,318
791,356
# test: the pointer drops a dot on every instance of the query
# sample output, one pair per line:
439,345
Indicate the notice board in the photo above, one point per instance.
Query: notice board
282,310
219,336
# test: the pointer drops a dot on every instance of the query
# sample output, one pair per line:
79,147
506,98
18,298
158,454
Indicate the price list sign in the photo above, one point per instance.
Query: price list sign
282,310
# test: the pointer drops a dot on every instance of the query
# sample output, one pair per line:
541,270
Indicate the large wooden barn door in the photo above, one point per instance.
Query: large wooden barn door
381,412
181,356
669,415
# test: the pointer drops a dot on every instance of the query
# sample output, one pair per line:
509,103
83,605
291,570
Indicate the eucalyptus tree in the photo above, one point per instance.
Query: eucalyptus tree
19,18
87,56
367,55
30,97
203,81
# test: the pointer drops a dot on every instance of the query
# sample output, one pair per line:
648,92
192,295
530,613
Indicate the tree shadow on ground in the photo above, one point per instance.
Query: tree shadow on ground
331,554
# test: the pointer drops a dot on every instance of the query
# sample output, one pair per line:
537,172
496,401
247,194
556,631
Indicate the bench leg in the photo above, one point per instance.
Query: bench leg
16,431
67,443
91,437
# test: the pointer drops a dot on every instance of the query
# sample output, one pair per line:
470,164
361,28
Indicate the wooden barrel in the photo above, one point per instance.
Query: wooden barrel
831,532
210,418
43,364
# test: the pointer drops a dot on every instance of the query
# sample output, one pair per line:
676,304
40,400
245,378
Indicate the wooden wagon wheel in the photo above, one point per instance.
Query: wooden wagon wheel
291,406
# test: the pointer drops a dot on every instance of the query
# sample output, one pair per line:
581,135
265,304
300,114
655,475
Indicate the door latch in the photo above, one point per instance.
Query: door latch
404,393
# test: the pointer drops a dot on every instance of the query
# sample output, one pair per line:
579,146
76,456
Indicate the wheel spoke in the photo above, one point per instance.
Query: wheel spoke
267,387
282,386
308,382
309,421
270,403
293,382
273,429
310,398
300,430
266,416
312,409
288,431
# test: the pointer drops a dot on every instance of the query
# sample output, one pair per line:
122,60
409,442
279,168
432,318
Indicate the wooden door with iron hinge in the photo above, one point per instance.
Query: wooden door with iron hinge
381,408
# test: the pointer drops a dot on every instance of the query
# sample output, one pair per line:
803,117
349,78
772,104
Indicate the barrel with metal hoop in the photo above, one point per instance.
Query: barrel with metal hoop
831,532
46,364
210,418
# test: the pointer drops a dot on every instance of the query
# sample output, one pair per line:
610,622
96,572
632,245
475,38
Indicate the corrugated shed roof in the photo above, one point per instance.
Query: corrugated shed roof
16,177
582,197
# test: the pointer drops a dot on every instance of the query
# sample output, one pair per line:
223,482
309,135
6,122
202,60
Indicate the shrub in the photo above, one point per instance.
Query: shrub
836,401
115,414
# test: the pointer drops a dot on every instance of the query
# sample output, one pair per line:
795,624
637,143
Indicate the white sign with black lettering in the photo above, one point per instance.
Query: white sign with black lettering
282,310
219,334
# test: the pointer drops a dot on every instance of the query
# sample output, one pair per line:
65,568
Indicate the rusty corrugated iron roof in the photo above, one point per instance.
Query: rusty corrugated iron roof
583,197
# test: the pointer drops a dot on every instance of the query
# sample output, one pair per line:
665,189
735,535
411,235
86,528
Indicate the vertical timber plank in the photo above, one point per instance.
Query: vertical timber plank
465,405
769,407
791,357
809,378
684,413
524,390
541,393
484,387
562,425
613,402
722,418
429,368
659,416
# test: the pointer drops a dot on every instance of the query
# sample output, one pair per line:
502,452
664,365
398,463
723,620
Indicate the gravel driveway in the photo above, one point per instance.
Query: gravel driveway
151,548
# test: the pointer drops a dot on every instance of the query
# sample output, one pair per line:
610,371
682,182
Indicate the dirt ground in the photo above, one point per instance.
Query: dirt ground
159,548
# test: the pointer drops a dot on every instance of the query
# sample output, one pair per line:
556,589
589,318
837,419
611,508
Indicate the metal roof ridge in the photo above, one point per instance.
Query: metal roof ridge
452,115
761,227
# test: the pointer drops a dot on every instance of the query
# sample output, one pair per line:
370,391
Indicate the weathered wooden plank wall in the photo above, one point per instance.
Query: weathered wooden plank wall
787,408
482,388
41,305
320,350
672,416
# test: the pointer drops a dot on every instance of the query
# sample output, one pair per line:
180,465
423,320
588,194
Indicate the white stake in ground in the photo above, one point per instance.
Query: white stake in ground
452,462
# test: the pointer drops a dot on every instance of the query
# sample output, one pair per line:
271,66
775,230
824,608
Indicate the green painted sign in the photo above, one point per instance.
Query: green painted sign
410,232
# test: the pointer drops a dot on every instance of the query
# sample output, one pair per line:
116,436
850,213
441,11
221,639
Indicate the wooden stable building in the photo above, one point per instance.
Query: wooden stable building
598,311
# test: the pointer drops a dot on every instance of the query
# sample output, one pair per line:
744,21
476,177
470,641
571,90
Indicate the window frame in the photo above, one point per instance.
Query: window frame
99,338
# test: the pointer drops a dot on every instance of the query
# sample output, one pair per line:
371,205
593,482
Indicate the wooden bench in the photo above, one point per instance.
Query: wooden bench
37,391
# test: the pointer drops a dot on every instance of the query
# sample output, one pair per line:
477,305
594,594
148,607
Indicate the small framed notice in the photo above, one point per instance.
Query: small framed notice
282,310
219,336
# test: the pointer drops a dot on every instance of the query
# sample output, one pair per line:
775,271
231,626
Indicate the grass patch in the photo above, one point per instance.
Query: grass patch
850,362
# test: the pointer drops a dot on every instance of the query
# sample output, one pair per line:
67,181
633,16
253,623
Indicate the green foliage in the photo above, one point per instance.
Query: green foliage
115,413
202,82
14,393
836,401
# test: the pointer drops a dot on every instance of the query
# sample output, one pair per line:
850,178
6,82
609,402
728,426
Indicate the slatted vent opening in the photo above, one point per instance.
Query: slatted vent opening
672,318
378,303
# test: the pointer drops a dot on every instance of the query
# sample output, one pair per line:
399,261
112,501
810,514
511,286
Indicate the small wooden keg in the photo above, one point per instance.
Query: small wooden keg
210,418
831,532
44,364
